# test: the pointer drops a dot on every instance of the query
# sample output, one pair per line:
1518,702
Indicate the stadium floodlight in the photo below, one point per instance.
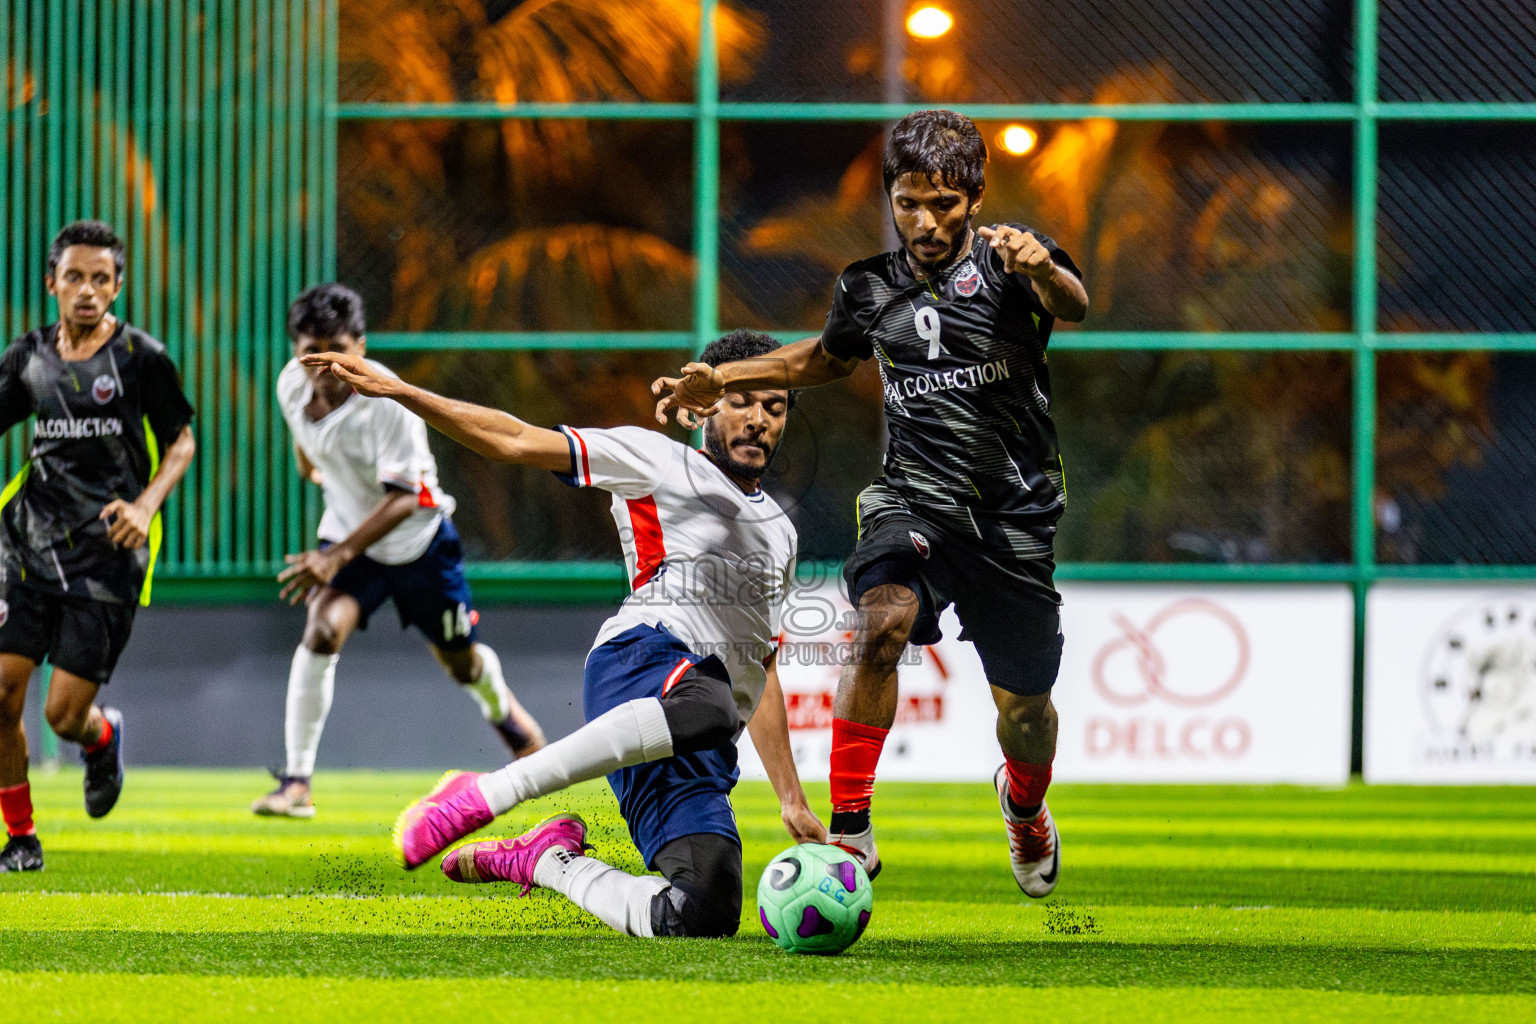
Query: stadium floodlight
929,22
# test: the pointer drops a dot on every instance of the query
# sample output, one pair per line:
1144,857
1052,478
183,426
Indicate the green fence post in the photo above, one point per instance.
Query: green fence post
1364,420
706,182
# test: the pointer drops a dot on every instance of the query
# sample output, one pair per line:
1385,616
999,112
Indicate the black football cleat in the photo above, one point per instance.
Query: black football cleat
22,853
104,769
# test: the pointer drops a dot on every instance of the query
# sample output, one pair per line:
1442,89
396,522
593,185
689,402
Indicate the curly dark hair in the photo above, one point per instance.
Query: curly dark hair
742,343
95,233
940,144
327,311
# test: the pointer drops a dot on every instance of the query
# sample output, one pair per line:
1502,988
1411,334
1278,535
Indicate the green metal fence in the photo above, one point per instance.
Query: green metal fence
207,130
200,130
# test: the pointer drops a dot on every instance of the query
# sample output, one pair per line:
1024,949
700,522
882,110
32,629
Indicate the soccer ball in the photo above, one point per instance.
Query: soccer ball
814,898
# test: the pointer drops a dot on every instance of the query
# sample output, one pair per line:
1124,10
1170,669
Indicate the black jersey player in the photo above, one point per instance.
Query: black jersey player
80,525
957,320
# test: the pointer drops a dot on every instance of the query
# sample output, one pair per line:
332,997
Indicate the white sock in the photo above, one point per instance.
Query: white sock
621,901
631,733
490,691
311,685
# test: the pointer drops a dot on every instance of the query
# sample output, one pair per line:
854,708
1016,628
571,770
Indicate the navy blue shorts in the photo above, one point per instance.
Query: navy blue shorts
430,593
682,795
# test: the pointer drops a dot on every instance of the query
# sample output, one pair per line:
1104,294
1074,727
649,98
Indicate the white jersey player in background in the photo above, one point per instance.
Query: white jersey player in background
387,534
675,675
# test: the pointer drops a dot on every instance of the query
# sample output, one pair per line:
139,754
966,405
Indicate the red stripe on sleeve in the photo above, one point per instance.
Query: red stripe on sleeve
585,469
649,549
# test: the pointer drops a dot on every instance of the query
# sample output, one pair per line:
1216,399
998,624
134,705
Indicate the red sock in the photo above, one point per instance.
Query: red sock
16,805
103,739
1027,783
855,752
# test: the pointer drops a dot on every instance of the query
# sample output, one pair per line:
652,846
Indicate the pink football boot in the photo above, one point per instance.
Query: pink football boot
513,860
450,812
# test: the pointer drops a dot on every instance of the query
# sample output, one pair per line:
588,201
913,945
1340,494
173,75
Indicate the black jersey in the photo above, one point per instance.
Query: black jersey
967,393
102,425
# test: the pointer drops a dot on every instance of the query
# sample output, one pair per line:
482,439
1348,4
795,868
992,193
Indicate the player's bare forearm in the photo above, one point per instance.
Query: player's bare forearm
701,388
800,364
129,522
490,432
1062,294
173,466
769,729
394,509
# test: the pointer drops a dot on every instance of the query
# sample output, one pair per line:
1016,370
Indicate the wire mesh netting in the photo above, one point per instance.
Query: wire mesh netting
1457,215
1037,51
1457,440
547,225
1204,456
1202,227
1458,50
441,50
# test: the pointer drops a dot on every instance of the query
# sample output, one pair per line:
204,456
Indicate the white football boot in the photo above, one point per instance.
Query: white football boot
861,847
1033,845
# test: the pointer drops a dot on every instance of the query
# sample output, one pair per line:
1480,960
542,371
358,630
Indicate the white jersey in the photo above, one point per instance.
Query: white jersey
706,562
359,447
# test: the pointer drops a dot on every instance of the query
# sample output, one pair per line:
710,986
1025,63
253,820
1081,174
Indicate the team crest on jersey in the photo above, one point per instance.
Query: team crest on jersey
919,541
967,279
104,389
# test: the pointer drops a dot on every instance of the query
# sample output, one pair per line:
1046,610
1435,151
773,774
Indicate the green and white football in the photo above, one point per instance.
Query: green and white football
814,898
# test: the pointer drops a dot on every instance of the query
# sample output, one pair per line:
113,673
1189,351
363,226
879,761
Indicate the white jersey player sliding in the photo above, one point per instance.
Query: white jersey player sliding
675,675
387,534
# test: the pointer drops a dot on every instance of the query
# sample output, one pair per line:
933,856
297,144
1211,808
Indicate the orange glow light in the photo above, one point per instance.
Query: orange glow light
929,22
1017,139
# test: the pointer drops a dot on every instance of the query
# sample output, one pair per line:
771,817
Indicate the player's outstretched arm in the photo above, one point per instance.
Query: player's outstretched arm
701,388
769,729
490,432
128,521
1060,291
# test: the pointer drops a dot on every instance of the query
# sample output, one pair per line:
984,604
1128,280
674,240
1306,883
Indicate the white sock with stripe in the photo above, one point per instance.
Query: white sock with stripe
620,900
630,734
311,686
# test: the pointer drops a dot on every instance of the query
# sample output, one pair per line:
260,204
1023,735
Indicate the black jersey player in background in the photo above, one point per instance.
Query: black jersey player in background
80,525
958,320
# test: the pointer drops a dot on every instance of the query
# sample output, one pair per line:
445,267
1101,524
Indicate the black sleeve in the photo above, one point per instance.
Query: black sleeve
845,336
163,401
15,397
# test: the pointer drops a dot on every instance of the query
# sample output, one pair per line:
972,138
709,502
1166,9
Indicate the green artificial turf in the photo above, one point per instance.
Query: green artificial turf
1176,903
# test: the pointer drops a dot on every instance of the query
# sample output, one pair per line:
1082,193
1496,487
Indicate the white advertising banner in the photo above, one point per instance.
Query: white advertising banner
1450,684
1159,683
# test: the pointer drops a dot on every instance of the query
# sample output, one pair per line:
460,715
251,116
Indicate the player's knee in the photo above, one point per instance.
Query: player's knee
1025,713
66,720
885,623
322,637
686,913
701,713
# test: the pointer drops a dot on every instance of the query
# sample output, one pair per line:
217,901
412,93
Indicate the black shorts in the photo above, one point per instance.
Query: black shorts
81,636
430,593
1008,607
